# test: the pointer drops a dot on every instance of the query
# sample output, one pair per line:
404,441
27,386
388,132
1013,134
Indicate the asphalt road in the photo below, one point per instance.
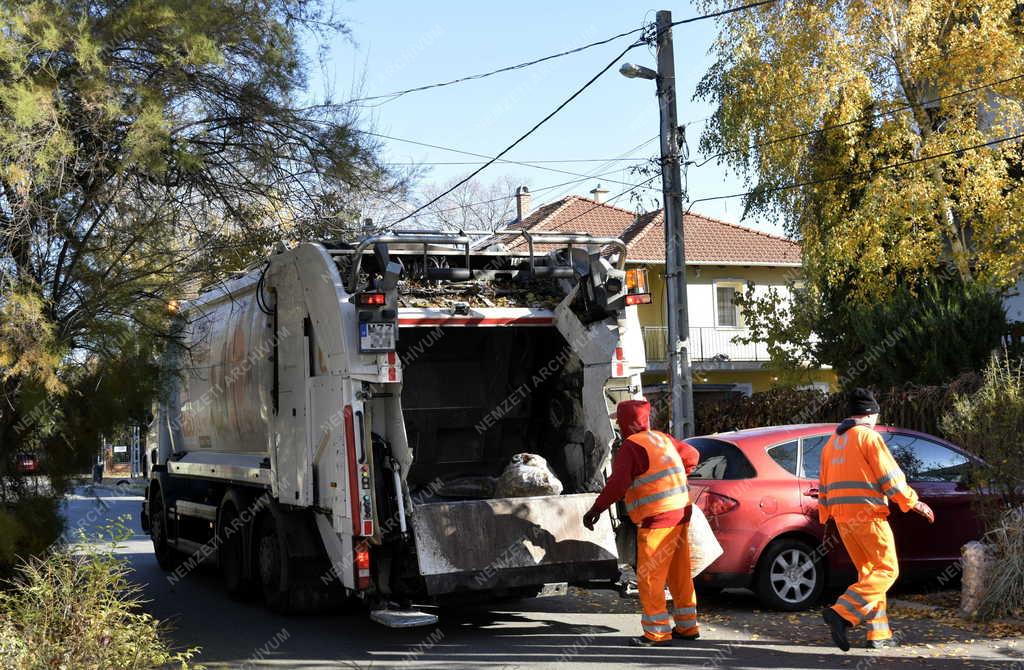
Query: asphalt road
587,629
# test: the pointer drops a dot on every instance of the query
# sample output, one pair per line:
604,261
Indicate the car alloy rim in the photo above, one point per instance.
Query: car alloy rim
793,575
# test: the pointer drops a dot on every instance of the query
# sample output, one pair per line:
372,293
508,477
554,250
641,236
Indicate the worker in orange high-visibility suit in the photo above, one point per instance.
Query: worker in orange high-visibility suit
858,474
649,471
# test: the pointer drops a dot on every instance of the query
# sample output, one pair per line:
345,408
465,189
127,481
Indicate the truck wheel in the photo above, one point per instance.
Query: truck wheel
790,576
231,553
166,556
272,564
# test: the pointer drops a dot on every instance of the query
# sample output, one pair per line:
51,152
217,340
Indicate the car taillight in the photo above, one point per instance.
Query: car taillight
716,504
362,562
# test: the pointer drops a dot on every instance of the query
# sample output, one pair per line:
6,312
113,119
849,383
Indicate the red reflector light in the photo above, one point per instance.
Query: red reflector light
392,358
367,528
362,564
620,370
715,504
618,354
638,299
371,299
392,375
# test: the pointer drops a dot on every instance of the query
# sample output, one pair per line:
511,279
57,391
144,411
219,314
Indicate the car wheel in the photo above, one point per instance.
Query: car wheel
790,576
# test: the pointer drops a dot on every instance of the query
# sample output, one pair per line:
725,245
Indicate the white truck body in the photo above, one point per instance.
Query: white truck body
343,392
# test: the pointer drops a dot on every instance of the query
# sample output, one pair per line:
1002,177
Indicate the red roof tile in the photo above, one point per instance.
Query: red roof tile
707,240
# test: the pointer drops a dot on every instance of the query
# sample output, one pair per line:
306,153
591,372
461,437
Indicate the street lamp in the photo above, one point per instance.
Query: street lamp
632,71
672,195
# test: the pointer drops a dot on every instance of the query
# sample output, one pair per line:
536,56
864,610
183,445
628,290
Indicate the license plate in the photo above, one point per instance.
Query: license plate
375,337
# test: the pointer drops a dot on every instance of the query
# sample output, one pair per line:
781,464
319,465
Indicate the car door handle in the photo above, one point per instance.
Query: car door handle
812,493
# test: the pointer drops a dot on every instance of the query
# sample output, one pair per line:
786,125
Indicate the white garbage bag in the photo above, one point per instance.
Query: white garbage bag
704,546
527,475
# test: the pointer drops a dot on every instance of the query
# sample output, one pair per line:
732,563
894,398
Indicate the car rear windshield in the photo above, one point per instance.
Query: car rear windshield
720,460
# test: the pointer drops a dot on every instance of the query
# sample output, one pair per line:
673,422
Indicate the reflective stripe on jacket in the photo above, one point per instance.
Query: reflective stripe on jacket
858,474
662,487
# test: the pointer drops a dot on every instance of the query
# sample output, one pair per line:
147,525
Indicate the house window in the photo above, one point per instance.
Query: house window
727,312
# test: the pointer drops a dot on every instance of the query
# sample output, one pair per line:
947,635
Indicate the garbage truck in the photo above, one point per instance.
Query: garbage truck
336,417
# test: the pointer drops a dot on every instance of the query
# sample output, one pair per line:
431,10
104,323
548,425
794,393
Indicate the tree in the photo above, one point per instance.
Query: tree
854,123
893,81
145,146
472,206
929,336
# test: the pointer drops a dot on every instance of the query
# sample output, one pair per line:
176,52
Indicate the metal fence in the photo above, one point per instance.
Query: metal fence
706,344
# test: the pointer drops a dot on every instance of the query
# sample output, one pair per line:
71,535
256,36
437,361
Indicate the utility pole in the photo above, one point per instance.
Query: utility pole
679,379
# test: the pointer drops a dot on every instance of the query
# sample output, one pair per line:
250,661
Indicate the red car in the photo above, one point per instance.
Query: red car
27,464
759,488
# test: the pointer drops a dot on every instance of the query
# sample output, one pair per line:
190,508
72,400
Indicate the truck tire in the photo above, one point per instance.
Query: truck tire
167,557
231,551
790,575
272,562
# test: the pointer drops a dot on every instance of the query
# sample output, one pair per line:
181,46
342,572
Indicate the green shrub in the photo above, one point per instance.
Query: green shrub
990,423
78,609
28,527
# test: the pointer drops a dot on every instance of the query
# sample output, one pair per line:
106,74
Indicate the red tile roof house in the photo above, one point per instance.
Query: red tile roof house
721,258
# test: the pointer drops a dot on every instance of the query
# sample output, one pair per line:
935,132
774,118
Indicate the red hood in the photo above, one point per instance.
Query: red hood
633,416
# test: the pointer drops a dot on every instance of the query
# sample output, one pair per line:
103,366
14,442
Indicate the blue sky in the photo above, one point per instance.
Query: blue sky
397,45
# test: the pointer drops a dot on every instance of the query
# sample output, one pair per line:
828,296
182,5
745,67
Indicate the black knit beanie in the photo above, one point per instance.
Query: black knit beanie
861,402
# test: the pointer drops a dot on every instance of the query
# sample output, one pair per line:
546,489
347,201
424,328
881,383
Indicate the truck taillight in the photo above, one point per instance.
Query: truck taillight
371,299
636,280
638,291
716,504
362,563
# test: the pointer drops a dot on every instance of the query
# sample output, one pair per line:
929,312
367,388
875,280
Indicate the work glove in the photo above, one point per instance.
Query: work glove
591,518
925,511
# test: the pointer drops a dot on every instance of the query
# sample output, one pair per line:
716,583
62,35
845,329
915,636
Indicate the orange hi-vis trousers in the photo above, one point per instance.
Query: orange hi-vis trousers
663,557
873,550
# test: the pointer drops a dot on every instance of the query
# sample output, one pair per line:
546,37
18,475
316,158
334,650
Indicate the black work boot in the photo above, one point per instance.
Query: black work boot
838,627
644,641
676,635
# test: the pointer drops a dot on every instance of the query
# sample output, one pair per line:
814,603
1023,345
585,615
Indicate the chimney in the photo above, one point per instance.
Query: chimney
599,194
522,203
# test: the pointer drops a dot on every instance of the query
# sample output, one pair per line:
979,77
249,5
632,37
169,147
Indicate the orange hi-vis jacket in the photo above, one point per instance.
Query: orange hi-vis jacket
663,486
858,473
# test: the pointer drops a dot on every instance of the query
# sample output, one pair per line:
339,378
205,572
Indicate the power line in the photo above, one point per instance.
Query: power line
489,159
715,15
397,94
858,173
522,137
394,95
868,117
528,163
510,195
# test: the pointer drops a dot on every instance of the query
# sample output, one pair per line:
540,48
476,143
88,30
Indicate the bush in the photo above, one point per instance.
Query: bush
914,407
990,423
1004,595
28,527
78,610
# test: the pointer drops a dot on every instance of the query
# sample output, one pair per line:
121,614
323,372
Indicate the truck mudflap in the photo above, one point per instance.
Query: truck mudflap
475,545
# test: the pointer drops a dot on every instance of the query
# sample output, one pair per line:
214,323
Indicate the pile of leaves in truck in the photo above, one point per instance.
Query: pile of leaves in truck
498,293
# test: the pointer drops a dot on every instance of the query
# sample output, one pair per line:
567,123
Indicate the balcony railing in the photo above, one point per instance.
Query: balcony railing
706,344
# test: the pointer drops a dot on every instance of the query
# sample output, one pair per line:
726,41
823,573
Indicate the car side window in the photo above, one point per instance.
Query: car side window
810,462
925,461
786,455
720,460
